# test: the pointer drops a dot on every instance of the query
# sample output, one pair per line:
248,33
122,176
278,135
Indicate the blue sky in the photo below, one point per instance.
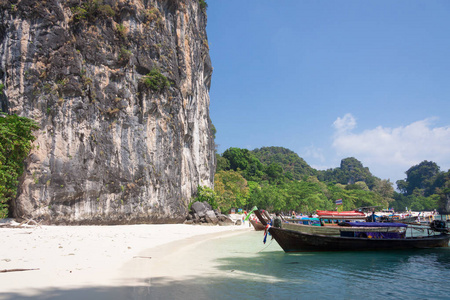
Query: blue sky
333,79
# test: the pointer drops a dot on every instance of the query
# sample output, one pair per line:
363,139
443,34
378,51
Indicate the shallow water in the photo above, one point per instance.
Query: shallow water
242,267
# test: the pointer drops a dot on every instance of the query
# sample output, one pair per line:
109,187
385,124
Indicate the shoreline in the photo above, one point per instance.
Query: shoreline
75,260
158,259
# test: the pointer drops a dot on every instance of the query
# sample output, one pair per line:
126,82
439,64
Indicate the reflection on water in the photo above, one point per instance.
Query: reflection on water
243,267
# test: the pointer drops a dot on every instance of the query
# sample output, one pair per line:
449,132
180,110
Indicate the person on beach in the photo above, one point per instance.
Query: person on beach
372,217
277,220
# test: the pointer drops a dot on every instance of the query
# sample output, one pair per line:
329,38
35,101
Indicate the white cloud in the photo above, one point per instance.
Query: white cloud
390,152
347,123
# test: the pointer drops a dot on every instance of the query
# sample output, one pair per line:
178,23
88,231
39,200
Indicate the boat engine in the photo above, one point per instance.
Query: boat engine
439,225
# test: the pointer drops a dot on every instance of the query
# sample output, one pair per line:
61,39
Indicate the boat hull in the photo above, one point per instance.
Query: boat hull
295,241
257,226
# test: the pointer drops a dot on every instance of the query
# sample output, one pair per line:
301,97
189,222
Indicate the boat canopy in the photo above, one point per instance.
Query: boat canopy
374,224
341,215
306,221
307,218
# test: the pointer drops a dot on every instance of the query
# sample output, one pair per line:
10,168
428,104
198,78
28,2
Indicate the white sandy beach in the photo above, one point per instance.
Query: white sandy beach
73,261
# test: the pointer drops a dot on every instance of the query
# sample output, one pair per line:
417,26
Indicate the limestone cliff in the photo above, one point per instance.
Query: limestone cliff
111,148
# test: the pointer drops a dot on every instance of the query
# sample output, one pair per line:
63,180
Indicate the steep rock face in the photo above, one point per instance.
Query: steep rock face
110,150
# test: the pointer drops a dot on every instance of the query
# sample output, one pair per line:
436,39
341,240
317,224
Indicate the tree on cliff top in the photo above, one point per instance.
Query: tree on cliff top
424,177
444,194
294,167
350,172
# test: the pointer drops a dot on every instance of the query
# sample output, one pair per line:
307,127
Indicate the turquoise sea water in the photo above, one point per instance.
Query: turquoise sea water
242,267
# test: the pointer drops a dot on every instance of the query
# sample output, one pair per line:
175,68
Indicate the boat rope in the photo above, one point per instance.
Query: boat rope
265,246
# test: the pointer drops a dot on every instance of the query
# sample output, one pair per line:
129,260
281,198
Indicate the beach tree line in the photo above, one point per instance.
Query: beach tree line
277,179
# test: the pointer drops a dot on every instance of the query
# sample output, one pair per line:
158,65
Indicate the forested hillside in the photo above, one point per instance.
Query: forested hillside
277,179
294,167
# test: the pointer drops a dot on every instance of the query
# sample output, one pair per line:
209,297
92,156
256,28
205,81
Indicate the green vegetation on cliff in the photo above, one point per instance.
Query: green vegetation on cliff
203,4
15,144
155,80
92,10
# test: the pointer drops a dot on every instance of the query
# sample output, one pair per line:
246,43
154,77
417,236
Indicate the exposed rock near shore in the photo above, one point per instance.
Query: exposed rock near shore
202,213
112,148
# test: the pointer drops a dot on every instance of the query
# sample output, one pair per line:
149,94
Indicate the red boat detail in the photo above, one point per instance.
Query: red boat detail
351,213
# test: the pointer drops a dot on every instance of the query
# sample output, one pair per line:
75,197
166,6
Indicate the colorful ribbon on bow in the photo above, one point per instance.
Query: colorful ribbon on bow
266,233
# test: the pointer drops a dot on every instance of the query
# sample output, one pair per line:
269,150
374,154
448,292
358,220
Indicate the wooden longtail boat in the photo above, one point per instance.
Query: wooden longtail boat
295,241
317,226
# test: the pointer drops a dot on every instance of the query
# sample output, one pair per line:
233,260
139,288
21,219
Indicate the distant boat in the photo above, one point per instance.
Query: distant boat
399,219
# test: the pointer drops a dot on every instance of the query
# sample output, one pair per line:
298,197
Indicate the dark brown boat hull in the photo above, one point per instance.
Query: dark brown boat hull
294,241
257,226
